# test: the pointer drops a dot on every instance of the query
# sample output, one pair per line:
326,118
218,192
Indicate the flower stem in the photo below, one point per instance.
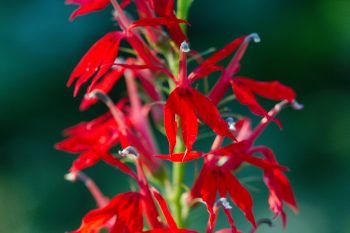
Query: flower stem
183,7
178,178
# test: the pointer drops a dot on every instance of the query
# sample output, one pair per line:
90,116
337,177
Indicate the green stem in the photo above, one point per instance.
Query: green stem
183,7
178,179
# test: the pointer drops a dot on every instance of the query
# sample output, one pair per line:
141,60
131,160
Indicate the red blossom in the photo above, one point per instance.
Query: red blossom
87,6
245,88
125,210
188,103
212,180
97,61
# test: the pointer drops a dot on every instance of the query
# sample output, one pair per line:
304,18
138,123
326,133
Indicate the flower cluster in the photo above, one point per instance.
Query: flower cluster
161,95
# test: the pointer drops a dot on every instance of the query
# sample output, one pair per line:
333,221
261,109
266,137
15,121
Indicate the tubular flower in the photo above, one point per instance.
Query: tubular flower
159,94
97,61
245,87
188,103
125,210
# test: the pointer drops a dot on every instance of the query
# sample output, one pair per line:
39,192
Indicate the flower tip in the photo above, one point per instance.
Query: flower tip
296,105
130,150
231,124
184,47
70,177
254,37
224,203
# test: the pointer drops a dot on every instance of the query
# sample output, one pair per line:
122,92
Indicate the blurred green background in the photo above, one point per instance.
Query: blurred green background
305,44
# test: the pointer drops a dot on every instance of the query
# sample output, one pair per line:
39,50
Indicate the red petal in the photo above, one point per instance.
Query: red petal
127,206
87,6
85,160
108,158
178,103
165,209
271,90
181,157
99,58
105,85
209,113
240,196
246,97
209,65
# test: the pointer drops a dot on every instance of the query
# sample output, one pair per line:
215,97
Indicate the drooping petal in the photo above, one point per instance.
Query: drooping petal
87,6
85,160
246,97
97,61
178,104
240,196
279,187
271,90
127,208
209,113
165,209
245,88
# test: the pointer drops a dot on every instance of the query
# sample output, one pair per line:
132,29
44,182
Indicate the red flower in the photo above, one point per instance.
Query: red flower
279,187
125,210
93,140
245,88
103,85
214,179
97,61
188,103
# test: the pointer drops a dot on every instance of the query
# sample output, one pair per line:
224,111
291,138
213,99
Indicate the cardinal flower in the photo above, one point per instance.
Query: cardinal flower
214,179
125,210
93,141
244,151
97,61
245,88
188,103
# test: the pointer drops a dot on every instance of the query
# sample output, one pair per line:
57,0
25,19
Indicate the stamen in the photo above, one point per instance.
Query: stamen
130,150
297,106
184,47
224,203
72,177
254,36
231,124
